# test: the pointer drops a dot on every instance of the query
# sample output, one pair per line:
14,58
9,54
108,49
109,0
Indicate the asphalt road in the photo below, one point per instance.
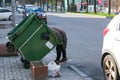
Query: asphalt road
84,40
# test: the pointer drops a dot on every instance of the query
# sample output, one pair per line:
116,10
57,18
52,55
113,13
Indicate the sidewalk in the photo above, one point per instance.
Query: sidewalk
11,68
85,15
67,14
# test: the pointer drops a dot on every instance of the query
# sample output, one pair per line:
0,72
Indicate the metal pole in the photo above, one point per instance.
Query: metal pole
13,13
56,5
3,3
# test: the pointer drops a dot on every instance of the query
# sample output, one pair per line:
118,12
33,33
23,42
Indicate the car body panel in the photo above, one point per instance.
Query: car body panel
111,41
5,13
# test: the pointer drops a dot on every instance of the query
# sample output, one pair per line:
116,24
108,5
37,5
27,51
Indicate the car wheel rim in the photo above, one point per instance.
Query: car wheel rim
110,70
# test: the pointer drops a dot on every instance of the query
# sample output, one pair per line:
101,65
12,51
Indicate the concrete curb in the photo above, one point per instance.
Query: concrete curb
86,15
80,72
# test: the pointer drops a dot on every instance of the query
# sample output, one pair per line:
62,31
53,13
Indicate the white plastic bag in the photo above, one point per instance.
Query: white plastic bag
53,69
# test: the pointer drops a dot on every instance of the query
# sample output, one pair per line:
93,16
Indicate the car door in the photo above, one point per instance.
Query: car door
1,14
116,43
4,14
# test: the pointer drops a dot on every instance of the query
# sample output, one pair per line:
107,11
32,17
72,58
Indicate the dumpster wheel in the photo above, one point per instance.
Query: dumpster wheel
10,47
26,65
22,59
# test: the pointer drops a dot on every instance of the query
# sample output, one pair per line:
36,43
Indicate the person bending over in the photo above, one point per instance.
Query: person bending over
61,48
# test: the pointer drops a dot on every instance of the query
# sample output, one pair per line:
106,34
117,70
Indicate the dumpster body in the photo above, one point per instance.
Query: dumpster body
33,38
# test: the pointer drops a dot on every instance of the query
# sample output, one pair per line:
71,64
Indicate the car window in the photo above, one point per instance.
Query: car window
4,10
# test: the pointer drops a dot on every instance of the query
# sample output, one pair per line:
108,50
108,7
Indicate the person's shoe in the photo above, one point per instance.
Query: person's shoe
57,62
57,74
63,60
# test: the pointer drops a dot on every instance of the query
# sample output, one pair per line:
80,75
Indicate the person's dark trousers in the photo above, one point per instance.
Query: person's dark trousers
60,50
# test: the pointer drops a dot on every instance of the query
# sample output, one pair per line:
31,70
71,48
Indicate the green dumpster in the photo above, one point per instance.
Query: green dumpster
32,38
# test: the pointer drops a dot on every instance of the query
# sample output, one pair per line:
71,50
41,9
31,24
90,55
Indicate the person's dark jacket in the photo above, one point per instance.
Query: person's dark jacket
62,35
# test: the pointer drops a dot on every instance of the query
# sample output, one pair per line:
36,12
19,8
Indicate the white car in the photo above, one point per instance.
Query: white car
111,50
5,14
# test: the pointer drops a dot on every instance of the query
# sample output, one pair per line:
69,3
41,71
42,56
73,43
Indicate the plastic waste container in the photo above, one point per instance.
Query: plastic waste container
32,38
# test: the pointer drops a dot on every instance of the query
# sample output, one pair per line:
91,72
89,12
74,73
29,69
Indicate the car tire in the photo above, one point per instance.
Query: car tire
10,17
109,68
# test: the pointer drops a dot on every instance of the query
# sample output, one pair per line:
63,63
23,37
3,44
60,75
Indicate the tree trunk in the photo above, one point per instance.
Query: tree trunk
109,11
13,12
95,6
87,6
56,5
